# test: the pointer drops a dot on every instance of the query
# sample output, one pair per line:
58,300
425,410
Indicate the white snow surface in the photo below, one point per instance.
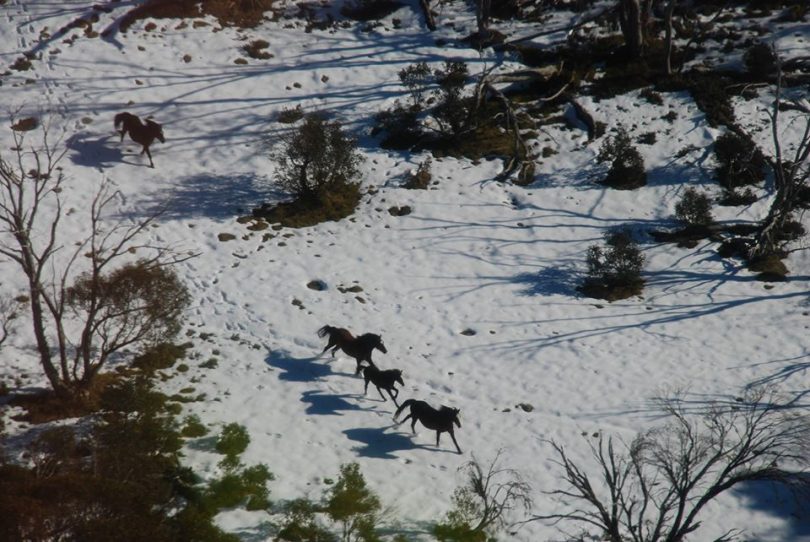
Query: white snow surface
474,254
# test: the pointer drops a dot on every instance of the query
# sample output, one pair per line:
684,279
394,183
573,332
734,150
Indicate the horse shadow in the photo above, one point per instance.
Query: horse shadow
329,404
90,150
376,443
298,369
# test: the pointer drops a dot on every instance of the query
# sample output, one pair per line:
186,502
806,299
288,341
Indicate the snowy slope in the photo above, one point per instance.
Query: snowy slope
475,254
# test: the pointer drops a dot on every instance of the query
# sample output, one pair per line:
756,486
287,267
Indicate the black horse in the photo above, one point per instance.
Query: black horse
141,133
359,348
439,420
384,380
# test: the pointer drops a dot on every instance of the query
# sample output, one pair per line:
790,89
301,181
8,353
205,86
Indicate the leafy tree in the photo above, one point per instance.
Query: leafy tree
315,158
354,506
694,208
626,164
111,305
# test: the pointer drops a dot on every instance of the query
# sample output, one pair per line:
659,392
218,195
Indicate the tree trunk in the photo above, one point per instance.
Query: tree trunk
630,21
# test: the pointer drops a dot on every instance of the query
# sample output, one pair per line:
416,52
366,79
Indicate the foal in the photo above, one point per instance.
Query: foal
383,380
141,133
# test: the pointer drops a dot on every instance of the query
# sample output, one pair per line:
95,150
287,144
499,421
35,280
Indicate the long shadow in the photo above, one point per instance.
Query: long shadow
298,369
329,404
789,499
375,442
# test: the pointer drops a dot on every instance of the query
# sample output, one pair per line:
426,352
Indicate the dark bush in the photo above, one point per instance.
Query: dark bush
740,162
626,164
315,157
417,78
452,111
614,270
317,165
694,208
420,179
760,60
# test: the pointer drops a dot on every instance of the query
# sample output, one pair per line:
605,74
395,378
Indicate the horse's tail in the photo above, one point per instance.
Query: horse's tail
325,330
402,407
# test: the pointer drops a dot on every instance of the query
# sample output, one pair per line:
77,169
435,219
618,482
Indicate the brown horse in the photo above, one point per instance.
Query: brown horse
439,420
145,134
383,380
359,348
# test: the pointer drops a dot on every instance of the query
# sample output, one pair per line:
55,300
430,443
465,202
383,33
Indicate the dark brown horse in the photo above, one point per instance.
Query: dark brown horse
359,348
145,134
439,420
384,380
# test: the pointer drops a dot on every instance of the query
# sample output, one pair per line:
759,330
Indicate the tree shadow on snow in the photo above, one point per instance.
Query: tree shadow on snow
209,196
375,442
789,499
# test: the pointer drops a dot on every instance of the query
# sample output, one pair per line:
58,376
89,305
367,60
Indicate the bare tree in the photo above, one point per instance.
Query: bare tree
77,327
633,18
655,489
483,503
790,176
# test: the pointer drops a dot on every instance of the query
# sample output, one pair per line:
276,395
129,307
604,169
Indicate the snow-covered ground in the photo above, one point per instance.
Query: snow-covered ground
475,254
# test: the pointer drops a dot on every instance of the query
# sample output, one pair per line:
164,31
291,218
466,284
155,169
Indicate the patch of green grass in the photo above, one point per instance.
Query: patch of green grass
193,427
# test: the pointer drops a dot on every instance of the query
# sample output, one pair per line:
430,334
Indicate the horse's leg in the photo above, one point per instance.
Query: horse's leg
381,393
438,434
149,154
453,436
329,345
365,389
359,367
405,419
413,424
335,349
393,396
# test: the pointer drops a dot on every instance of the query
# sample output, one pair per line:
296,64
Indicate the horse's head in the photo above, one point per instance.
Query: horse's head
378,344
398,375
156,130
452,414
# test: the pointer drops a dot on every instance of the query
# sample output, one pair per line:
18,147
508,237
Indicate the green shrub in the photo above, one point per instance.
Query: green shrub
740,162
760,60
420,179
231,442
626,164
694,208
161,356
614,271
452,111
417,79
246,487
354,506
193,427
315,157
290,115
301,523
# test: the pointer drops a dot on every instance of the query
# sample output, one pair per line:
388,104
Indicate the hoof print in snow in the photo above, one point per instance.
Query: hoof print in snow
298,303
469,332
400,211
353,289
317,285
226,237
